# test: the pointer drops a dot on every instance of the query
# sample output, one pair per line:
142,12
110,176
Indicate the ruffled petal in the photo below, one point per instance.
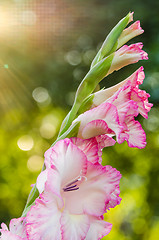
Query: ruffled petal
95,128
74,227
6,235
107,112
90,147
141,98
17,226
100,182
141,108
127,55
105,141
4,227
121,99
137,136
114,199
121,96
43,220
98,229
16,230
135,79
93,147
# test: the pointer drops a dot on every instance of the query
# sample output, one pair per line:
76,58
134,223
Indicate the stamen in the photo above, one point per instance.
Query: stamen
65,188
74,184
71,186
71,183
71,189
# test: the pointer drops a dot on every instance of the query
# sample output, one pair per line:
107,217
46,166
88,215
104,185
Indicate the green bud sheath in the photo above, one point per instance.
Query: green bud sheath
111,39
86,105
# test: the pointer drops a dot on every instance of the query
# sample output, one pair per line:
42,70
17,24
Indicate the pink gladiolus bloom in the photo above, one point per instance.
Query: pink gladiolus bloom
127,55
16,230
76,192
138,95
113,112
103,119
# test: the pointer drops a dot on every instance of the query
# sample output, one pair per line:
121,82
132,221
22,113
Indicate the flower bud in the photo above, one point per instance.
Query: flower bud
129,33
111,40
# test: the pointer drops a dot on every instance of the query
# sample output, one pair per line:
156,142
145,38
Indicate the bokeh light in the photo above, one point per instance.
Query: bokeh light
73,58
47,130
41,95
35,163
25,143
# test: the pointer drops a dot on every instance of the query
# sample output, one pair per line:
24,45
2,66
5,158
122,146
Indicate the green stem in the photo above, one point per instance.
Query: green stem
87,86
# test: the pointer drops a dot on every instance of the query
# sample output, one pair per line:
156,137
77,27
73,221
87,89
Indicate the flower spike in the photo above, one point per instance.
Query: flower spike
74,190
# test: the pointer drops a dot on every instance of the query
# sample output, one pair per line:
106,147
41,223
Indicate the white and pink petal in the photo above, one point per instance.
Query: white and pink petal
74,227
141,106
67,156
141,98
16,230
113,199
17,226
105,141
43,219
137,136
127,55
100,182
106,112
96,128
90,147
132,31
135,79
41,180
7,235
98,229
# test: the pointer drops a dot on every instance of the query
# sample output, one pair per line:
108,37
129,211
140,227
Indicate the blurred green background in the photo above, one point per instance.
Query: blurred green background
46,47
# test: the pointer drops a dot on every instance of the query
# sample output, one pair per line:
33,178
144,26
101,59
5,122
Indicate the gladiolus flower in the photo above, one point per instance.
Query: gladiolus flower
76,192
138,95
127,55
113,111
